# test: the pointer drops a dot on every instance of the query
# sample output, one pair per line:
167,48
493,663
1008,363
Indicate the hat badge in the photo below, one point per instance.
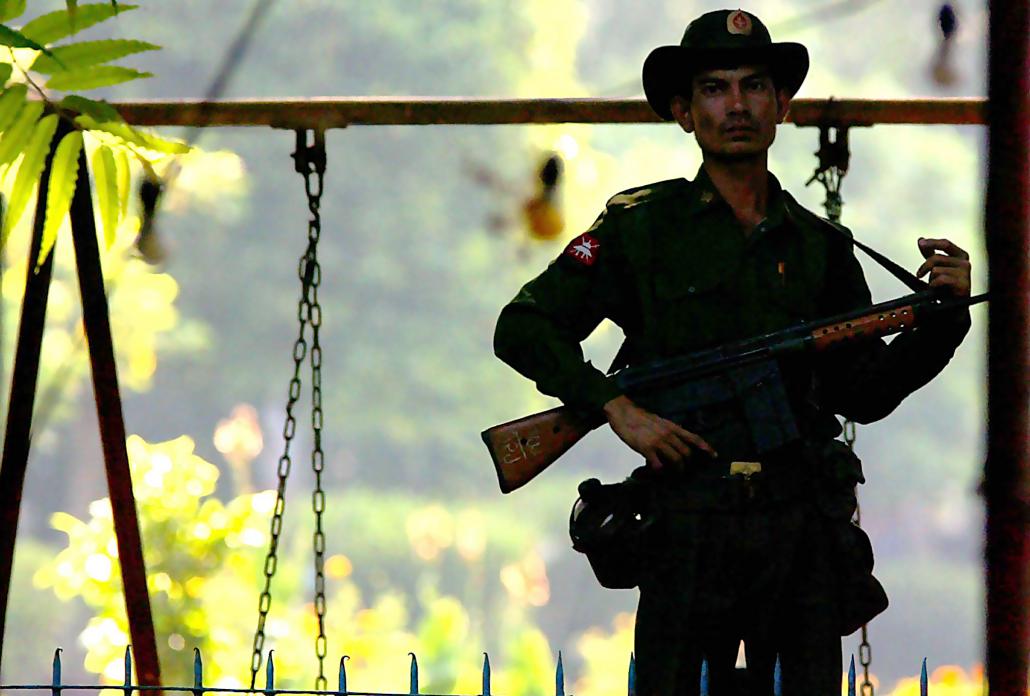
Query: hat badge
738,22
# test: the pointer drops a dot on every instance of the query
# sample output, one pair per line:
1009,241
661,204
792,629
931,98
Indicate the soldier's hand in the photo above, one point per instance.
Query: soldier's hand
659,440
950,269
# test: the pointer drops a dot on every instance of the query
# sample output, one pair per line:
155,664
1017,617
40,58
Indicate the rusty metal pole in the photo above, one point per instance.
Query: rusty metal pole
1007,471
97,325
18,432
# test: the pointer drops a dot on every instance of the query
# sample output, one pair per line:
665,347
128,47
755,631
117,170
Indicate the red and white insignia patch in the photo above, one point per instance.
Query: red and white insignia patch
583,249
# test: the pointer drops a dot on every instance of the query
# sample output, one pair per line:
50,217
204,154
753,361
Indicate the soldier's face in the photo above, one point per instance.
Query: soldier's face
733,113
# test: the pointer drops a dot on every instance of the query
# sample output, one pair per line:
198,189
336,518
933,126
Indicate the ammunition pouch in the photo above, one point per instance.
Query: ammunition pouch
615,526
860,595
743,412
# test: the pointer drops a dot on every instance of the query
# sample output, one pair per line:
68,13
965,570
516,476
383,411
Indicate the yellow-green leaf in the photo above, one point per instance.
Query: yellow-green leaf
5,73
98,109
16,39
106,179
28,172
54,26
61,186
88,53
11,102
134,136
17,135
93,77
9,9
121,161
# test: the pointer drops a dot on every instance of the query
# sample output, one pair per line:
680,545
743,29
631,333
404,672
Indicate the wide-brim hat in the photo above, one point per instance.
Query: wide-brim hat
720,39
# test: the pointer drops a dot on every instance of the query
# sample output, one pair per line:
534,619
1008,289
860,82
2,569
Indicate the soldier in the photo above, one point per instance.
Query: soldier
768,557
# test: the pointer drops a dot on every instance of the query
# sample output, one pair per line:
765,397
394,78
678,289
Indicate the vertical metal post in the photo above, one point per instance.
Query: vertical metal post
55,675
18,433
559,678
486,675
413,675
97,326
1007,471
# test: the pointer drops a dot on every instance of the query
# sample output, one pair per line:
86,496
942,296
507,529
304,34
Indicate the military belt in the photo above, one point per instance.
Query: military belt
736,485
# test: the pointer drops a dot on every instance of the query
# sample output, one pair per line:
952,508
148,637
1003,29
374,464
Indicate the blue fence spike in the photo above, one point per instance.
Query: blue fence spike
55,676
851,677
924,682
413,685
559,678
778,677
128,668
198,669
631,687
270,672
486,675
704,677
342,685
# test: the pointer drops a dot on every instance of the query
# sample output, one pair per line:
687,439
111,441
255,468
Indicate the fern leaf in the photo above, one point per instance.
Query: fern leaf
16,39
9,9
93,77
121,161
133,136
100,110
106,177
88,53
28,173
54,26
11,103
64,173
15,137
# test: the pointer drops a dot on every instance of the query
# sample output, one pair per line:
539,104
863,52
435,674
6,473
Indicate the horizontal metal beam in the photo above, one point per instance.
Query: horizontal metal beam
334,112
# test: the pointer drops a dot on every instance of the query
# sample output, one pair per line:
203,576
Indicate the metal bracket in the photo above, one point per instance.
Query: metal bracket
310,158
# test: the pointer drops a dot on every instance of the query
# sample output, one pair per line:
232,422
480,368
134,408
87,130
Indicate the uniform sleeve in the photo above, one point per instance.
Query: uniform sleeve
539,332
865,382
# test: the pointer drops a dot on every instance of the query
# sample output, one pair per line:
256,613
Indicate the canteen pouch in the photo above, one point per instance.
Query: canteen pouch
614,525
838,471
743,412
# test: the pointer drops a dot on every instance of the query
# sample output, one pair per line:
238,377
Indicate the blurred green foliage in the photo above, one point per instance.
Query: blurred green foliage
202,557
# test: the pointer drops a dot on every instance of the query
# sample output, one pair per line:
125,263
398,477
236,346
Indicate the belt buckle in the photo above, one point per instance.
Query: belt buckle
743,471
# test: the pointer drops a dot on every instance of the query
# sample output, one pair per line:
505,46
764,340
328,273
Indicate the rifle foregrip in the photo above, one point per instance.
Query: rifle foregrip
870,326
522,448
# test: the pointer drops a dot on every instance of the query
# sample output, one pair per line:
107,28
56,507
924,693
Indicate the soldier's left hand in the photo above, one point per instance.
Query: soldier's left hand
947,264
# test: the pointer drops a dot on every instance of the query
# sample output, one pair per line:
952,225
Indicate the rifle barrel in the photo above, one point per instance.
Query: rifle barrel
663,373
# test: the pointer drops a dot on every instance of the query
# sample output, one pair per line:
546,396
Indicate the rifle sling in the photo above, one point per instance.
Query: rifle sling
907,277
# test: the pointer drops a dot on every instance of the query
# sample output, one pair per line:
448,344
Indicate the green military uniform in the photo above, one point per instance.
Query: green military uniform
670,264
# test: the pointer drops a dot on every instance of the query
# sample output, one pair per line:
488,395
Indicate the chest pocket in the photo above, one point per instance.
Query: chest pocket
695,297
791,277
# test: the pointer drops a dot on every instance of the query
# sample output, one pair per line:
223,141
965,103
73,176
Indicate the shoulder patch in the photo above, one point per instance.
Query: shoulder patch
584,249
635,196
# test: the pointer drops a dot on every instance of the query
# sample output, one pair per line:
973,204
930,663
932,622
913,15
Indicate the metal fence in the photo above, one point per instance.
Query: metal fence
56,687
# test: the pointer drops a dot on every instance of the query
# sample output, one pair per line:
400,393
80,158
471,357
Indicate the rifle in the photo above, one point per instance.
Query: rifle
523,448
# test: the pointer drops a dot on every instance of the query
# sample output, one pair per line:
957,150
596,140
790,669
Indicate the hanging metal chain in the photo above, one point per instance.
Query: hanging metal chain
834,158
310,161
865,650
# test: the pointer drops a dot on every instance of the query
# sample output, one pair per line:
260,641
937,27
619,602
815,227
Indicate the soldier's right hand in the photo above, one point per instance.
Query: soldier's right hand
659,440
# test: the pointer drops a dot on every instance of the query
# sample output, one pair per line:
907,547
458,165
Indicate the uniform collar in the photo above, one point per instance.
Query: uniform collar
706,197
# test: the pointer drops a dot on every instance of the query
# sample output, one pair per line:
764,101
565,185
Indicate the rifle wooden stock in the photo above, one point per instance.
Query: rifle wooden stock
523,448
